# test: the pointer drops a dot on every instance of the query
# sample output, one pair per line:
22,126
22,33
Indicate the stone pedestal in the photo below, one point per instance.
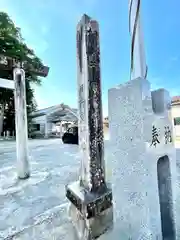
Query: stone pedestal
91,213
48,128
144,184
60,130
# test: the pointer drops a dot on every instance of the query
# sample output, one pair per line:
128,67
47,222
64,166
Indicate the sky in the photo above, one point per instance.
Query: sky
49,27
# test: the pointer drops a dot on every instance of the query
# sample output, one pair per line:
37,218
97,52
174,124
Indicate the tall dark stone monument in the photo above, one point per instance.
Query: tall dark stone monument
91,207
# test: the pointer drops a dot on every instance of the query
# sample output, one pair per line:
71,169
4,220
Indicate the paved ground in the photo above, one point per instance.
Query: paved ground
36,209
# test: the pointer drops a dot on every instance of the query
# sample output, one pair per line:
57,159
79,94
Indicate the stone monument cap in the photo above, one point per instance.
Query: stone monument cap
84,20
161,101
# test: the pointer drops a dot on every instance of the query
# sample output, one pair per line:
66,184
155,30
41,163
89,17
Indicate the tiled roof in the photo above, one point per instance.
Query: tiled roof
52,110
175,100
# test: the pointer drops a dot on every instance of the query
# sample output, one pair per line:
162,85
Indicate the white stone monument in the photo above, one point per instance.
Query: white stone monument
144,154
138,61
21,124
18,85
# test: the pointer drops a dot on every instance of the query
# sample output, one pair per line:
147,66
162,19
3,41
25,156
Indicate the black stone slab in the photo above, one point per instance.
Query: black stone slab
90,106
89,204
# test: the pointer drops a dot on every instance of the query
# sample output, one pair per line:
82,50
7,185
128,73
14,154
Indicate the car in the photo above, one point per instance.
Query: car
71,136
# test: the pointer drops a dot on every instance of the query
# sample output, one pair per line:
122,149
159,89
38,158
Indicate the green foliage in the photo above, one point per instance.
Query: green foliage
12,44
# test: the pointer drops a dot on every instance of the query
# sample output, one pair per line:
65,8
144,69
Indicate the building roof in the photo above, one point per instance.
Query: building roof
44,111
175,100
57,113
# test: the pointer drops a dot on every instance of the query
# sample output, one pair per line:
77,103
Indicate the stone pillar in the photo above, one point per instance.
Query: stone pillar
48,128
144,164
60,130
90,197
7,134
138,60
21,124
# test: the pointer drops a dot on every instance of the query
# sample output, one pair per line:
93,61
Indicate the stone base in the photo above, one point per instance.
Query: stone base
91,214
88,229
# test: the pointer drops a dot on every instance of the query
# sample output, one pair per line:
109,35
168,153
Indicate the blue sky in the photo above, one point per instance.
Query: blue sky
49,27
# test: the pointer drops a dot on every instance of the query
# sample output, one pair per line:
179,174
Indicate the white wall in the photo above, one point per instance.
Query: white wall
50,127
40,120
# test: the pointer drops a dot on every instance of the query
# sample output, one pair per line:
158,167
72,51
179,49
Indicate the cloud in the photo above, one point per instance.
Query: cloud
69,11
44,29
156,82
155,86
174,59
42,11
42,102
39,45
90,3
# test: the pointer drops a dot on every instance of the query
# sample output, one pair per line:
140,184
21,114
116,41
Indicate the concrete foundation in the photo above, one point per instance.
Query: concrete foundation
91,214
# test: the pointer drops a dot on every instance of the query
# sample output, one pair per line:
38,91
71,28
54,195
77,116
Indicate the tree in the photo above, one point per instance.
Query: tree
13,45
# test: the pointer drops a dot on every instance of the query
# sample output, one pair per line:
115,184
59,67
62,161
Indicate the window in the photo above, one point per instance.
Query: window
177,121
36,127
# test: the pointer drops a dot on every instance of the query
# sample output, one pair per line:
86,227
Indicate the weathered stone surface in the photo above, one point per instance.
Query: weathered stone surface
23,169
90,122
91,228
89,204
140,138
90,195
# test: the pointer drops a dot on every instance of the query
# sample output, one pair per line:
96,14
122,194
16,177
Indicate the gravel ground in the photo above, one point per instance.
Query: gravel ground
36,208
